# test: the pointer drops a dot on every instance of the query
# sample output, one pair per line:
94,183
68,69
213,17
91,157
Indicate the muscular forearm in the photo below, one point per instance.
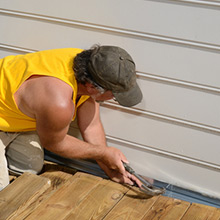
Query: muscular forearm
95,135
71,147
90,124
109,158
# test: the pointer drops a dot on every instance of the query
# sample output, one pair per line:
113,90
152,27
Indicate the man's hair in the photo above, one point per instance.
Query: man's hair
80,67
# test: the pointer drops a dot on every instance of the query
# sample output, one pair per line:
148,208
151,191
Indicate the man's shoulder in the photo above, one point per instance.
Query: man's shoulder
55,103
45,94
55,91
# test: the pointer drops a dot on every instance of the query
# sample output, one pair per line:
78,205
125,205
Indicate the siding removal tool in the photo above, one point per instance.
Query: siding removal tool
146,186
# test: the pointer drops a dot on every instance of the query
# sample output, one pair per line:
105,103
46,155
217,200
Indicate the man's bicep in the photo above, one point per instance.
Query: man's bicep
52,125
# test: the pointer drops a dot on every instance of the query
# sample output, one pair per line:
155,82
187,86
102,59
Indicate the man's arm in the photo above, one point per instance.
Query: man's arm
49,101
52,127
92,132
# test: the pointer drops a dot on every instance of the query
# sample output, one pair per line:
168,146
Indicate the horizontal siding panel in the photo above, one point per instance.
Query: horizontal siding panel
173,171
164,59
181,102
182,63
162,135
163,18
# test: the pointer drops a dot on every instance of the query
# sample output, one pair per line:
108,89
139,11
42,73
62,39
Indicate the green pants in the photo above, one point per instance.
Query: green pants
19,152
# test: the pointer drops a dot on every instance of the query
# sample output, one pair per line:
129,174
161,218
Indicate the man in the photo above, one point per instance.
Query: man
42,92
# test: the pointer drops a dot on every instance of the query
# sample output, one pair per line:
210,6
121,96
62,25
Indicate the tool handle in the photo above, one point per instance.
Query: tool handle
128,168
146,187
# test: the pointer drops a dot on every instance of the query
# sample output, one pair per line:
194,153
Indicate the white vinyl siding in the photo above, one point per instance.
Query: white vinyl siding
173,135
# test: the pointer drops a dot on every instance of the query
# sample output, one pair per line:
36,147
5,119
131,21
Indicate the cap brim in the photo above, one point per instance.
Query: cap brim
129,98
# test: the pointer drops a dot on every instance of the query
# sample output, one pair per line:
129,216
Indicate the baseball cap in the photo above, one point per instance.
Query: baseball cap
113,69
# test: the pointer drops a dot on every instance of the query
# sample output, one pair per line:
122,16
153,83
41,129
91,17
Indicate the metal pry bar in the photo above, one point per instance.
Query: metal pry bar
146,187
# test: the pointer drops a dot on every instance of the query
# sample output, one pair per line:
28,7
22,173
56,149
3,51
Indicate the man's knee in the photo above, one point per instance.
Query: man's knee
25,153
4,178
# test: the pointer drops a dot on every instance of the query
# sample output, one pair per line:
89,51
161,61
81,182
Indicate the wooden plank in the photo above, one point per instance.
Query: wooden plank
132,206
58,176
22,192
202,212
99,201
166,208
66,198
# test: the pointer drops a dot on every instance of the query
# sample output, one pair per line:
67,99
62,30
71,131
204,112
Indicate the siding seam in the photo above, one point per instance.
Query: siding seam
17,49
165,153
173,120
131,33
199,2
204,88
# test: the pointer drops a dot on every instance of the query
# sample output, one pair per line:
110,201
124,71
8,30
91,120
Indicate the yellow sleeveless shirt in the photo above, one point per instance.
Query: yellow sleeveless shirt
14,70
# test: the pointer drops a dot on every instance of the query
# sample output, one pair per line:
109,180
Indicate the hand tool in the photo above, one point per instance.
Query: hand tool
146,186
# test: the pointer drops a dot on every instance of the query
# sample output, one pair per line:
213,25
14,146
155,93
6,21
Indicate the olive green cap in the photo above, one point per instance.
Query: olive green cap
113,69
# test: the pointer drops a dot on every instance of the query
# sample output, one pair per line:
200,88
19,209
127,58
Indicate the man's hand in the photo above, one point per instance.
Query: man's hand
111,163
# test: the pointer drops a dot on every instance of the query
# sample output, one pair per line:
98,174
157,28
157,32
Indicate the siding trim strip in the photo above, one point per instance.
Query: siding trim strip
163,117
15,48
126,32
165,153
200,2
204,88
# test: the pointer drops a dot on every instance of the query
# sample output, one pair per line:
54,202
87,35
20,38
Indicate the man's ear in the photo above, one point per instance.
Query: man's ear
91,88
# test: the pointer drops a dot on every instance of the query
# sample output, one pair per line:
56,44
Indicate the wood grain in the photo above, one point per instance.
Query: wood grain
58,176
166,208
22,192
99,201
132,206
66,198
202,212
84,196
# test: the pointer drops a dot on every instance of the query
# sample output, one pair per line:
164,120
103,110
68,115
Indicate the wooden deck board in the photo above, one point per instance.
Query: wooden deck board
66,198
58,176
132,206
202,212
22,192
99,201
167,208
79,195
